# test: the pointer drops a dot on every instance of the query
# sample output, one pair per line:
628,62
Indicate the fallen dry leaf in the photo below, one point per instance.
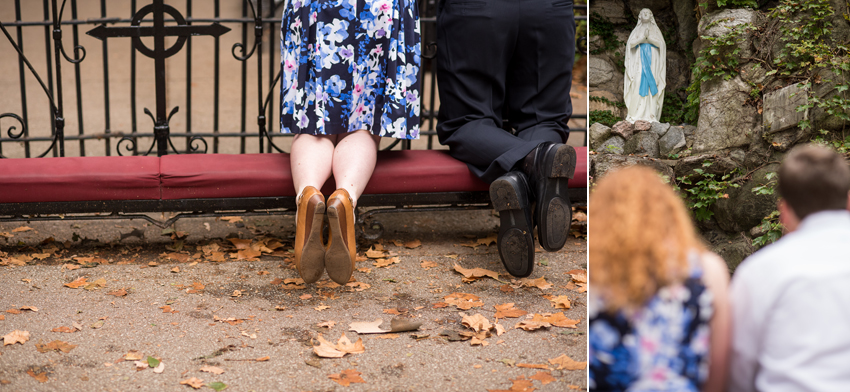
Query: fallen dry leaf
32,308
344,346
212,369
543,377
193,382
13,311
326,324
118,293
520,384
428,264
358,286
133,355
321,307
21,229
508,310
263,359
395,311
56,345
347,377
71,267
240,243
540,283
159,368
565,362
463,301
231,219
413,244
373,253
499,329
579,276
2,317
64,329
167,309
97,284
477,322
40,377
383,263
16,337
560,302
472,274
532,365
77,283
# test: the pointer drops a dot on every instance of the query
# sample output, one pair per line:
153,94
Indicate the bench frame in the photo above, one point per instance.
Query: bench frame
264,24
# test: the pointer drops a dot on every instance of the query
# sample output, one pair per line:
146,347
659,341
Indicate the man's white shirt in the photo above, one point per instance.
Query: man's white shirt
791,311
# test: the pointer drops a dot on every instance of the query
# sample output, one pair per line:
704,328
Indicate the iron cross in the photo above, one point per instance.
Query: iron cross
159,53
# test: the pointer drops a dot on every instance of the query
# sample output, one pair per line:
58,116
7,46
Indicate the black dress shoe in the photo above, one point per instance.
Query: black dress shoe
509,194
549,167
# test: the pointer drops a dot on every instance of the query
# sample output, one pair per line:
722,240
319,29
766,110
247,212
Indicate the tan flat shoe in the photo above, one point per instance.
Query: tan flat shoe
340,252
309,249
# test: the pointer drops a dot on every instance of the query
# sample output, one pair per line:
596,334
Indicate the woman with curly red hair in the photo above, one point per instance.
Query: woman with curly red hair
658,307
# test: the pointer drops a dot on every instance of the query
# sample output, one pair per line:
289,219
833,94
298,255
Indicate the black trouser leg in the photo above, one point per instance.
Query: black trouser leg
503,58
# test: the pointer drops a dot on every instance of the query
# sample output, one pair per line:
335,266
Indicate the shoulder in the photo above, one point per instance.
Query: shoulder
715,271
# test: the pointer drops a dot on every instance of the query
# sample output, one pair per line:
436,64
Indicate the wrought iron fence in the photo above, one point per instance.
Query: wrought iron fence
160,31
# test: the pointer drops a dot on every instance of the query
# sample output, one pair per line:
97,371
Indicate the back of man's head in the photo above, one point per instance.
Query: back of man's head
813,179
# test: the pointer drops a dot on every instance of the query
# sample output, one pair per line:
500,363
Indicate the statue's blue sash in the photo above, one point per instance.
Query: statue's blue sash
647,81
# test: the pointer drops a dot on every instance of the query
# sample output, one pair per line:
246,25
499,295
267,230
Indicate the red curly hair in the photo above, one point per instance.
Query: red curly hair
640,234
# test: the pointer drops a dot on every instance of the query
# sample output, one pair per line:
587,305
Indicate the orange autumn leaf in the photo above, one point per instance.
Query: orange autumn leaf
382,263
77,283
347,377
472,274
520,384
463,301
56,345
118,293
428,264
263,359
16,337
212,369
40,377
13,311
540,283
413,244
240,243
508,310
193,382
64,329
560,302
543,377
167,309
532,365
565,362
477,323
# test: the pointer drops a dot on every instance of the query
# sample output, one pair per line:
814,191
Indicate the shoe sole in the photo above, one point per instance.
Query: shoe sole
338,261
554,212
313,253
515,242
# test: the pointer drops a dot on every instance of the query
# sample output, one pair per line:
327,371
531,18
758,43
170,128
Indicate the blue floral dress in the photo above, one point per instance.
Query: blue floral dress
349,65
662,347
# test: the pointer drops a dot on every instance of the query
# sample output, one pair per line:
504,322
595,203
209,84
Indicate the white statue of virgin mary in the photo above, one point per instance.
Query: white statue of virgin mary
646,70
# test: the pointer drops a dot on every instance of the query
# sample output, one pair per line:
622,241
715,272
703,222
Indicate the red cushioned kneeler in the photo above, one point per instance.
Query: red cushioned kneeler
268,175
201,176
79,179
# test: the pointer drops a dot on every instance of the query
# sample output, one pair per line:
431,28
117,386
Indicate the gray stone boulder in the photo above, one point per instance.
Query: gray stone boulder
600,164
641,125
672,142
601,71
624,129
725,119
720,165
781,118
642,143
660,128
719,23
687,22
612,10
678,72
827,90
613,145
733,250
598,134
753,73
745,209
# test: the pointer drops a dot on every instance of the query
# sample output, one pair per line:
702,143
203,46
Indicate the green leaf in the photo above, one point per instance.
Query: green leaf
217,385
153,362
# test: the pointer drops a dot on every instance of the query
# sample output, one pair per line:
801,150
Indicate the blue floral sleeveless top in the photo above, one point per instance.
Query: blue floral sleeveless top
662,347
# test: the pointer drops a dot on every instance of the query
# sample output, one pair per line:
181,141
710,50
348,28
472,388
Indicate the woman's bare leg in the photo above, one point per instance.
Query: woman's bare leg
354,161
311,160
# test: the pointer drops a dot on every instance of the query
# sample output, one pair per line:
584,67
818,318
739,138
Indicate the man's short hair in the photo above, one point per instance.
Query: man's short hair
813,179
